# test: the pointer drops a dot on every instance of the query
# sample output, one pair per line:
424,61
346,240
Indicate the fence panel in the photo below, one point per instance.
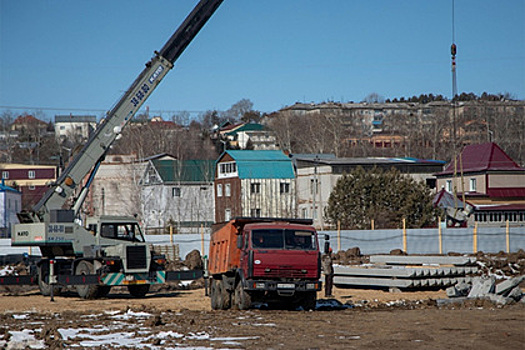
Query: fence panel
426,241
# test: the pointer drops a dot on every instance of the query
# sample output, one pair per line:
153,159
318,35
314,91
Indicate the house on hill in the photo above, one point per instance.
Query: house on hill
489,180
74,127
254,183
178,193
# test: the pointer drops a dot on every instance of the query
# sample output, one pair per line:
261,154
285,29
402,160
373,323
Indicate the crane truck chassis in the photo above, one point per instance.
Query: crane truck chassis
266,260
104,251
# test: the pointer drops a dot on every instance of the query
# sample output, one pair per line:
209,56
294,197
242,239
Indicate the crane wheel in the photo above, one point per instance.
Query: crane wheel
45,288
87,291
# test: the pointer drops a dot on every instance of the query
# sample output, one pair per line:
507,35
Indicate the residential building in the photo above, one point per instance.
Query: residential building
29,122
484,176
10,205
251,136
115,190
317,175
74,127
178,194
30,180
254,183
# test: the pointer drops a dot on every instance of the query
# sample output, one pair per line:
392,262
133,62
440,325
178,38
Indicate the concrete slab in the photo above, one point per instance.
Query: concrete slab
481,287
508,285
421,260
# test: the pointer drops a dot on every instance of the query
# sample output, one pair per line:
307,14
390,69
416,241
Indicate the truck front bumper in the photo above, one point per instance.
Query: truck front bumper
282,286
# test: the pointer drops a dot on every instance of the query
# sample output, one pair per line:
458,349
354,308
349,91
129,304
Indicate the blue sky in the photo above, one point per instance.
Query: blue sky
78,57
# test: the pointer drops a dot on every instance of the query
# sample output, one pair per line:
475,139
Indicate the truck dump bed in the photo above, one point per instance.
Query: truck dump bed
224,254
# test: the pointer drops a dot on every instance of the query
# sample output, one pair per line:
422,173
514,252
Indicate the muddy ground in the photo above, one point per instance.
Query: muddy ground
183,319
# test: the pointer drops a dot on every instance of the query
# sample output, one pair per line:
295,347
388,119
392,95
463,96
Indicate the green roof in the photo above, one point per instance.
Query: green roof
185,171
247,127
262,164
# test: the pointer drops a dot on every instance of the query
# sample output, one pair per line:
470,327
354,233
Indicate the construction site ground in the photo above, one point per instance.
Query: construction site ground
173,318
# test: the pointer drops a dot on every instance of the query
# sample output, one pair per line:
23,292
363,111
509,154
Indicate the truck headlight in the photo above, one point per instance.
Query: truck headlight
259,285
310,286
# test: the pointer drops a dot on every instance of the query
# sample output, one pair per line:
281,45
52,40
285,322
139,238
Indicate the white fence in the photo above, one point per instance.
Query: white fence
417,241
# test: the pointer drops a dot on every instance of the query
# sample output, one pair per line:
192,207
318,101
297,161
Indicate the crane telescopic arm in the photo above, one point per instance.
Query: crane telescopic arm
87,160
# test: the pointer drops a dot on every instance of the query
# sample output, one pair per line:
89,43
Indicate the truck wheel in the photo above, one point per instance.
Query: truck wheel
87,291
242,299
309,301
214,294
223,296
45,289
138,290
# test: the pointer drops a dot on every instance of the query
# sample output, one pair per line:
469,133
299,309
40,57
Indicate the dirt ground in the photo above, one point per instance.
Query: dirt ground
183,319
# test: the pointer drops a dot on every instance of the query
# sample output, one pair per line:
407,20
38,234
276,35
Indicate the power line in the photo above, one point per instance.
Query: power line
94,110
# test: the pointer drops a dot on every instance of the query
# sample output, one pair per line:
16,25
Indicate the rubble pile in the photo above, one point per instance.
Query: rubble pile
503,293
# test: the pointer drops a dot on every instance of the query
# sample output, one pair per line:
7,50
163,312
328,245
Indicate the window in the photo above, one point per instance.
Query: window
152,175
227,169
255,213
255,187
284,187
31,187
5,175
314,186
449,186
219,190
175,192
305,213
472,185
227,190
31,174
227,215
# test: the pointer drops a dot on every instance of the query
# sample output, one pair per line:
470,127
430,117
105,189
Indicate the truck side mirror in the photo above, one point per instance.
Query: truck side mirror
239,241
327,247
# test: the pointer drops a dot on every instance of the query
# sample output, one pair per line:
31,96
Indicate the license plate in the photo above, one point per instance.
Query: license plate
286,285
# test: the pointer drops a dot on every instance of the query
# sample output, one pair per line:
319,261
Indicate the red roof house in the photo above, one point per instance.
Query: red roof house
486,177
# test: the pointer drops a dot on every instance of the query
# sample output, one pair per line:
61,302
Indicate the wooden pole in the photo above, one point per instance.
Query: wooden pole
373,224
507,236
171,234
338,235
202,240
475,238
440,234
404,235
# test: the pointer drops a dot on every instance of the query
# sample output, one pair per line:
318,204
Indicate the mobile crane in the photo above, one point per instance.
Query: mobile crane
107,251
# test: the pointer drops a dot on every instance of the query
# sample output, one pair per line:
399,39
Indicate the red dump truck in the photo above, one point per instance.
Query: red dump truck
264,260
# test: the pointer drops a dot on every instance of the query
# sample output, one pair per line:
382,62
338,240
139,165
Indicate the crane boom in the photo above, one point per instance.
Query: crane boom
94,151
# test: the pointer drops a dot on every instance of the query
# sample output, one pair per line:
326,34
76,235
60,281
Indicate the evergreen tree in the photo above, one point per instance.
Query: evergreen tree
383,196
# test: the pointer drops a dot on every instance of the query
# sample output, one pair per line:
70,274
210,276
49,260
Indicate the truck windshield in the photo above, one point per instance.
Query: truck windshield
122,231
283,239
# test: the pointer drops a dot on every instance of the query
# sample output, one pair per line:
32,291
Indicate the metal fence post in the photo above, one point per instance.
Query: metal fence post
440,236
404,235
507,236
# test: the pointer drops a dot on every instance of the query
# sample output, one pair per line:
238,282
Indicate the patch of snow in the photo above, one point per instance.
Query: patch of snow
21,317
7,270
24,340
131,314
198,336
226,339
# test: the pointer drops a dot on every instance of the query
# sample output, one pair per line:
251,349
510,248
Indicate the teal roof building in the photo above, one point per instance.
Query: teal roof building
261,164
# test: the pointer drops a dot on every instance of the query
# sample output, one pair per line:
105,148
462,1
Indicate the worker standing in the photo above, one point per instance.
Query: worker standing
328,271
